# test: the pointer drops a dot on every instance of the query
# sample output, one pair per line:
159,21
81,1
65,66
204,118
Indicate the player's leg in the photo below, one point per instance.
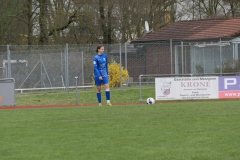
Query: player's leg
99,95
107,93
98,87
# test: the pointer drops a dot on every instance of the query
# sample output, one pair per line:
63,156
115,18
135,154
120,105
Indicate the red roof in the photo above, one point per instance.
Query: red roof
195,29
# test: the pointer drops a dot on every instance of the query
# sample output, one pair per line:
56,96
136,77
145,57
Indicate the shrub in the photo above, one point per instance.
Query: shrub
199,68
229,66
114,72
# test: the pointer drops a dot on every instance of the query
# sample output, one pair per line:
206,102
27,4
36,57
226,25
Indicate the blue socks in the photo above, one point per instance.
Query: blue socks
99,97
108,94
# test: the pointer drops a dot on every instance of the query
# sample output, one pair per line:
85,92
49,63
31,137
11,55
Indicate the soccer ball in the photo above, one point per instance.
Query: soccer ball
150,100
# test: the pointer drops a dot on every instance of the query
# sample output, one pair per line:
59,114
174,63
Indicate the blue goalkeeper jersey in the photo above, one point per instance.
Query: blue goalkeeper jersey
100,63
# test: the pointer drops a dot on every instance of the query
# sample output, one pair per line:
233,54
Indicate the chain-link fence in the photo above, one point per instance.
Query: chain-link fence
51,66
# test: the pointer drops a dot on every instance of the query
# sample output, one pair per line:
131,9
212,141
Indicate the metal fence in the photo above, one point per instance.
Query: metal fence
51,66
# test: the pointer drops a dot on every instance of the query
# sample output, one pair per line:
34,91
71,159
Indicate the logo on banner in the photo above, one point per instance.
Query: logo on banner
229,82
229,87
165,88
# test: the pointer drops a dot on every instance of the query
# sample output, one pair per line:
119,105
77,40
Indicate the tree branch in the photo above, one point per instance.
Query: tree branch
70,20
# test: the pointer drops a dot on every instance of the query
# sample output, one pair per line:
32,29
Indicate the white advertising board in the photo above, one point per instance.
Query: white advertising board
174,88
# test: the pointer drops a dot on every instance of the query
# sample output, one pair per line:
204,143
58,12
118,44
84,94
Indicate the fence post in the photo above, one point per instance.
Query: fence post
82,69
171,55
41,74
140,88
63,85
182,57
221,61
76,78
176,60
66,68
204,60
125,55
194,61
120,52
9,63
235,46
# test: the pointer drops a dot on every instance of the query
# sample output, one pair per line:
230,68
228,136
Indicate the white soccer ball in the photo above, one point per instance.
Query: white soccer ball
150,100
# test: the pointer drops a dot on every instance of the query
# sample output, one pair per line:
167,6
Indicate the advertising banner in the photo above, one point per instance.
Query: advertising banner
214,87
181,88
229,86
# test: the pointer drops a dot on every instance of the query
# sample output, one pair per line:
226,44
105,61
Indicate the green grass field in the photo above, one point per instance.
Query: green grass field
185,130
87,96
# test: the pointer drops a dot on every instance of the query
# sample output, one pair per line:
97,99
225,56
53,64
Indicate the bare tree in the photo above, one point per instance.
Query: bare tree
99,21
201,9
27,16
43,23
106,18
234,6
132,14
63,15
8,12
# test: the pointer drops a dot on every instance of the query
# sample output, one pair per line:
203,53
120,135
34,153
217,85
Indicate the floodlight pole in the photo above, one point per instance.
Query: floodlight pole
76,78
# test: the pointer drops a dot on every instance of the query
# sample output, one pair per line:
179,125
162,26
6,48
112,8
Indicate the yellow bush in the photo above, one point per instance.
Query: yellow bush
114,72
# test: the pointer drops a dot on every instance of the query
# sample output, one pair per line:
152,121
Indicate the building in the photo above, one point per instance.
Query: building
190,47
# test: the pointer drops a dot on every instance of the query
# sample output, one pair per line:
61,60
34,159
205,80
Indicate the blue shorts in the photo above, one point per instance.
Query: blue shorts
99,82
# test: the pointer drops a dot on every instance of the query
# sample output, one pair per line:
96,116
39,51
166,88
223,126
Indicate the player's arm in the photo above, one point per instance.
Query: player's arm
95,65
